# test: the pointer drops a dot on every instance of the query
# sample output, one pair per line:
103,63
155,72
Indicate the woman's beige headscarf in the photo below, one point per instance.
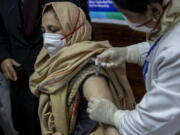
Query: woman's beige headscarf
57,79
73,21
170,18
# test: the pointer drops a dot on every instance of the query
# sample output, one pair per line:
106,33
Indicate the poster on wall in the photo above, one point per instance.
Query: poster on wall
103,11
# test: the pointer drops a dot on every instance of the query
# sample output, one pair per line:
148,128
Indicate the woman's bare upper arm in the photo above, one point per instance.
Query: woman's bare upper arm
96,87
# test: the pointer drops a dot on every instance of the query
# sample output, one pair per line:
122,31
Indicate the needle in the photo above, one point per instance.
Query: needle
98,70
98,67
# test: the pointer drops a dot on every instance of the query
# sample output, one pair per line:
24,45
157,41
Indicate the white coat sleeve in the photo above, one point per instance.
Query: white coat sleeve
160,107
137,53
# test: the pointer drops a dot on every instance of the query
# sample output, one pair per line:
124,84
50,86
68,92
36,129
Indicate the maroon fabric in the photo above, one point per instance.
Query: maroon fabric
30,13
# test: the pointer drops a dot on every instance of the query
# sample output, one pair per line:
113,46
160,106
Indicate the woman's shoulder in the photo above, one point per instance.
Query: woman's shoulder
87,71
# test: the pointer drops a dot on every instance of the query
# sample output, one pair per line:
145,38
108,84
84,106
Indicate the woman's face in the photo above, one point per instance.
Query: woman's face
151,16
50,23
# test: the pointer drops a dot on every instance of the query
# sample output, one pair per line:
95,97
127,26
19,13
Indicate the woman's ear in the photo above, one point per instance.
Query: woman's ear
157,11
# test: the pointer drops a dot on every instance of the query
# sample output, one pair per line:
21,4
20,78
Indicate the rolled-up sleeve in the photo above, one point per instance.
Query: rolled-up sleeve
160,107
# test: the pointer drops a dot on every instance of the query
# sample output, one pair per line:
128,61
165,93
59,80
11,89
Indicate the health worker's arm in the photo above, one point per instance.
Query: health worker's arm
137,53
159,110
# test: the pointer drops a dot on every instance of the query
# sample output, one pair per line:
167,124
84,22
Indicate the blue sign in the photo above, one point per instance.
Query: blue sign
104,11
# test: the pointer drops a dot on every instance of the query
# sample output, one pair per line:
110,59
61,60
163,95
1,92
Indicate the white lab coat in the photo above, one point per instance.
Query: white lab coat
159,111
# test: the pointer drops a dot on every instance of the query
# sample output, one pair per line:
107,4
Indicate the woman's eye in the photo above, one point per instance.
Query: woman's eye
53,30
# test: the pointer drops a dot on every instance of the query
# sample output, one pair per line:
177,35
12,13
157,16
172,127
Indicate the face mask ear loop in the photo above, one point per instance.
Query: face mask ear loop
140,25
75,27
158,21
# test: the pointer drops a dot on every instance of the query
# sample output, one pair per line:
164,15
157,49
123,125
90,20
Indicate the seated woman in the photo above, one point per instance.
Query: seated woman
65,77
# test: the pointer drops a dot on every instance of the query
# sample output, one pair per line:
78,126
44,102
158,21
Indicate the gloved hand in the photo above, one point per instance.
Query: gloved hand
104,111
112,57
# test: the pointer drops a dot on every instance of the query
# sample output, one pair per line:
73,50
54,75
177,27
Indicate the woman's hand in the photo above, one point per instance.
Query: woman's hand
7,67
112,57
